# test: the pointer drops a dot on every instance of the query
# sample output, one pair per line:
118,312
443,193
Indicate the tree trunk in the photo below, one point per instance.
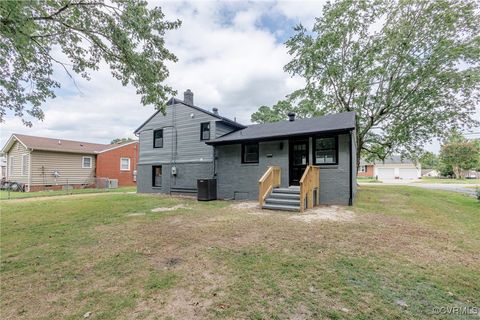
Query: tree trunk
457,172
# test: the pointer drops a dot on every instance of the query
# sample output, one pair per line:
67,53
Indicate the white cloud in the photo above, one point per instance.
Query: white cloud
224,57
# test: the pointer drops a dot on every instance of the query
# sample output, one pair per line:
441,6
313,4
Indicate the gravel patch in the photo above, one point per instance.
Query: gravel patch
163,209
330,213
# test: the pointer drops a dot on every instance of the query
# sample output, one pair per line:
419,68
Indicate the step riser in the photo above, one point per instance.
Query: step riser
283,202
280,207
284,196
286,191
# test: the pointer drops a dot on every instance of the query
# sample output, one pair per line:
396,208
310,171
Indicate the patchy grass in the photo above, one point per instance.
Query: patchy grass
5,195
405,252
448,181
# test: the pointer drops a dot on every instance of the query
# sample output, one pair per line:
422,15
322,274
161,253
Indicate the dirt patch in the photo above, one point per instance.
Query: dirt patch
135,214
330,213
250,207
163,209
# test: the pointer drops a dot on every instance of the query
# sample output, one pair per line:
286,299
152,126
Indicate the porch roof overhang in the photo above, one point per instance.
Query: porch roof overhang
329,124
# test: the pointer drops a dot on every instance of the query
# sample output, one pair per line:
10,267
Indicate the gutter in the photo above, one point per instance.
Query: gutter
275,137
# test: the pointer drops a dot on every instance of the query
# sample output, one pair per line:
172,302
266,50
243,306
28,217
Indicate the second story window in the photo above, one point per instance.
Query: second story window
158,138
205,131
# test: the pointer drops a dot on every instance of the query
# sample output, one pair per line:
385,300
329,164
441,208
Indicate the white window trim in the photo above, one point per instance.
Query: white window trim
121,159
83,163
23,173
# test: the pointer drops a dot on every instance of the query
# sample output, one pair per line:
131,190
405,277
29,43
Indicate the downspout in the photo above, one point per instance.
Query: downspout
29,179
350,200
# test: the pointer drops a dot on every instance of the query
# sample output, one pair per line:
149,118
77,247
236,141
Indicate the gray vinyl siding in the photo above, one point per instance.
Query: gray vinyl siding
189,146
16,152
240,181
184,182
221,129
193,158
69,165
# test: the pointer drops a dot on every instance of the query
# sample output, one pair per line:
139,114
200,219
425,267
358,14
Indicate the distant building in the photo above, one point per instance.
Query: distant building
392,168
430,173
45,163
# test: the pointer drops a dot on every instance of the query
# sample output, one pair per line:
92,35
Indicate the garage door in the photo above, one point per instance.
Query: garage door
386,173
407,173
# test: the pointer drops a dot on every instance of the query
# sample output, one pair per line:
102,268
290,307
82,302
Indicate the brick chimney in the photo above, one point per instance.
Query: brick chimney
188,97
291,116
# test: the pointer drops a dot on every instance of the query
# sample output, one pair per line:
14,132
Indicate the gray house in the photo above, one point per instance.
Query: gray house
173,153
289,165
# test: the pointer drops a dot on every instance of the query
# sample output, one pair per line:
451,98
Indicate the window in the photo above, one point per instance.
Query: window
158,138
24,164
124,164
325,150
156,176
205,131
86,162
250,153
363,169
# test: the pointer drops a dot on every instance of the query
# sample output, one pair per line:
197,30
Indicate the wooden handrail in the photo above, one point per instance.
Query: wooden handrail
309,184
270,179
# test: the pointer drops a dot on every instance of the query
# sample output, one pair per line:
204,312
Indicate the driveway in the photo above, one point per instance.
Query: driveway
469,189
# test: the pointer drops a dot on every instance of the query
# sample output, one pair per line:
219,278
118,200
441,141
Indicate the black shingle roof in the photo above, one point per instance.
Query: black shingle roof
267,131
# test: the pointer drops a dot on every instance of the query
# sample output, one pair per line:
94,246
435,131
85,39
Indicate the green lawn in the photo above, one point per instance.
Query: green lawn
5,195
368,179
405,252
444,180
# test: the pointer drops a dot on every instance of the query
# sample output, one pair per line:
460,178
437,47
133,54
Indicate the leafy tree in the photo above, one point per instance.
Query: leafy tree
429,160
445,170
460,155
37,35
280,111
410,70
121,140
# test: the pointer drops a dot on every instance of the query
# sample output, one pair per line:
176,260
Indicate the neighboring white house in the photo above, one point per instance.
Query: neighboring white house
3,167
397,168
430,173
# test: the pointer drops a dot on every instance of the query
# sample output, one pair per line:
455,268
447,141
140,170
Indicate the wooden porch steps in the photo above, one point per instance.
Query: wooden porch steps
285,199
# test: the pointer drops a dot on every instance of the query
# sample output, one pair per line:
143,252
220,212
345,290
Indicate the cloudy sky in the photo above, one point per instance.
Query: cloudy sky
231,55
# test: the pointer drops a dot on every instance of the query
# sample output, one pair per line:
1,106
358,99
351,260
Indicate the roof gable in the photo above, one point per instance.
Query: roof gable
51,144
174,101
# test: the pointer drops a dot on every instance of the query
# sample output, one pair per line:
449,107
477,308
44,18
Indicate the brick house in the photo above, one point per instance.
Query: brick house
365,169
119,162
391,168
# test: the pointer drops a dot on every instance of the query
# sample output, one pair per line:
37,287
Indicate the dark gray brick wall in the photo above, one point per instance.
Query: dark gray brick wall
240,181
